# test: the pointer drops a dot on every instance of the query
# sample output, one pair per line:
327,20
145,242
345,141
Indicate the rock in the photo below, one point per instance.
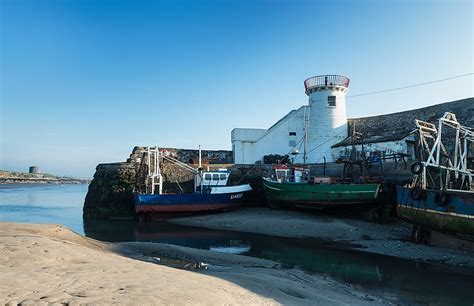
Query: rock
110,193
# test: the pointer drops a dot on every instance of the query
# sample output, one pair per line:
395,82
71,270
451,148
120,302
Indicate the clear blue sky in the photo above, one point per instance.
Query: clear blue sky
82,82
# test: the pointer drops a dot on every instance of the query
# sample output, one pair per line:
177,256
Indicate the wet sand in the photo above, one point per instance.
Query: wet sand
392,239
44,264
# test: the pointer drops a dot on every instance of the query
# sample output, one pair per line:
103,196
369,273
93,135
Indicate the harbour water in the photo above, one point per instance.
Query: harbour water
401,281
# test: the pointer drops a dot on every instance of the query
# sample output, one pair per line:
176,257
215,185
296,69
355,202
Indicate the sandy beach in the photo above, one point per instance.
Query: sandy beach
49,264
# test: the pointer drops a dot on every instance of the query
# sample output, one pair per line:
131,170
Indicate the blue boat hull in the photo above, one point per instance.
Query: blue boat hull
451,211
193,202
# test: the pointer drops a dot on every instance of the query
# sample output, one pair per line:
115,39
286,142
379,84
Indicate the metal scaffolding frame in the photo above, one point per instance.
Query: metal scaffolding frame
433,146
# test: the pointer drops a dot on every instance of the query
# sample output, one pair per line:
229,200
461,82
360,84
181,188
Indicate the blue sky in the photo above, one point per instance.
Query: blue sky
82,82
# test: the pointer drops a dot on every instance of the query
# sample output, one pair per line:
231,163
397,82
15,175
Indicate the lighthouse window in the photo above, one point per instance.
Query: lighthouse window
331,100
292,133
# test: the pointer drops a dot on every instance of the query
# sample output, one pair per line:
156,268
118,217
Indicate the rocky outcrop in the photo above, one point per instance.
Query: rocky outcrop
110,193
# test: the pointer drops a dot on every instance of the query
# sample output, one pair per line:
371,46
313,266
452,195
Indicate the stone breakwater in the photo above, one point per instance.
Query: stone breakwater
8,177
110,193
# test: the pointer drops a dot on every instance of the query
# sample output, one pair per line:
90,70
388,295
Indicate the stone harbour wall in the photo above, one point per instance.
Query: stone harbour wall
110,193
189,156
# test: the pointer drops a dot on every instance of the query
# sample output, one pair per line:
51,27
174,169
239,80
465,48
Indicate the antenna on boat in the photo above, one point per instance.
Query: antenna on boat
200,167
305,135
199,156
158,170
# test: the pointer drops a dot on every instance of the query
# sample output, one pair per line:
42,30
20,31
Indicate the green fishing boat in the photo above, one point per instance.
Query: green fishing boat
291,186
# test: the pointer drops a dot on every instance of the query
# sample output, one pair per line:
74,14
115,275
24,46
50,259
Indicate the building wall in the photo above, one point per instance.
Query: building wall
276,140
34,169
327,123
379,148
244,152
243,144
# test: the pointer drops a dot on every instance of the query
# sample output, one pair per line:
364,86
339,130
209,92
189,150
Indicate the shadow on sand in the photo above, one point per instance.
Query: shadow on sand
279,262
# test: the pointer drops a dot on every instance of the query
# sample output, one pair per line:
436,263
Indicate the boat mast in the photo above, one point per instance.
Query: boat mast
200,170
305,135
158,170
199,156
149,177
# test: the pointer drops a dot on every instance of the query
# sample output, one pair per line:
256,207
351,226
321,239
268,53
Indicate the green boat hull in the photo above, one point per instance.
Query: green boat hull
319,195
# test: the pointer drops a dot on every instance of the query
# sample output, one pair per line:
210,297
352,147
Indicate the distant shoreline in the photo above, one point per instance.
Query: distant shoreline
36,181
9,177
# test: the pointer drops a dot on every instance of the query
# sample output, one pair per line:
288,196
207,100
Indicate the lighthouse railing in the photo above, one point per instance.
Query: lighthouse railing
326,80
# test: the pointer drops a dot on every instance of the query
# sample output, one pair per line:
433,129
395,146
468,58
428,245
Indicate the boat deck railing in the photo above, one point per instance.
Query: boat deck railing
327,179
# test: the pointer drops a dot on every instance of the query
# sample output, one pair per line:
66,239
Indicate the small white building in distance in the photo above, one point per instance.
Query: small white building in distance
328,129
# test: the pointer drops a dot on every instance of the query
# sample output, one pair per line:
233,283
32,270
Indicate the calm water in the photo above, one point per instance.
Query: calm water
401,281
42,203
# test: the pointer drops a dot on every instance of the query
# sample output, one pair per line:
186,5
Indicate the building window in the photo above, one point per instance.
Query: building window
331,100
292,143
292,134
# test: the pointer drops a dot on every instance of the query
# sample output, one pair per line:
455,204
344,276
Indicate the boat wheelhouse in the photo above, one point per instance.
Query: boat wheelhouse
284,173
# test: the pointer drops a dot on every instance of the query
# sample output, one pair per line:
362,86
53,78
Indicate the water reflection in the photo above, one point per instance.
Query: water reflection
401,281
130,230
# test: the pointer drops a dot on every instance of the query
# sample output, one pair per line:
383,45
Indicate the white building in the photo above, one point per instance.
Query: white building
328,132
251,145
324,118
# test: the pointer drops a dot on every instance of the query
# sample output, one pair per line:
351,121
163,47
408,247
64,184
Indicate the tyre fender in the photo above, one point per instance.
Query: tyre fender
416,167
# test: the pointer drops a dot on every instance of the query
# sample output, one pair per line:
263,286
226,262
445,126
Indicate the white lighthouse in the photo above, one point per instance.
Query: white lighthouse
327,122
307,133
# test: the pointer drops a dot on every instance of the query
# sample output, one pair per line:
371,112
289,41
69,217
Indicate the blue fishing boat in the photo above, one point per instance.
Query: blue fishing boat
211,190
441,195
